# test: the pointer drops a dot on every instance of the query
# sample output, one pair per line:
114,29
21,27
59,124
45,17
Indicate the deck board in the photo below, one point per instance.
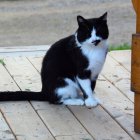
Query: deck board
123,57
118,76
23,73
5,131
61,121
112,120
22,118
116,104
98,122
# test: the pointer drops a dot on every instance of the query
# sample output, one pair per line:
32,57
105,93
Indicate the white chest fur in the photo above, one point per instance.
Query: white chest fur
96,57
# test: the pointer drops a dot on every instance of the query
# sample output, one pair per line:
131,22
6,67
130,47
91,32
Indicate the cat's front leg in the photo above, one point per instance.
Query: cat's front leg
85,85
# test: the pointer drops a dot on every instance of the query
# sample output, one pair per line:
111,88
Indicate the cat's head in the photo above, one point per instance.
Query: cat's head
92,31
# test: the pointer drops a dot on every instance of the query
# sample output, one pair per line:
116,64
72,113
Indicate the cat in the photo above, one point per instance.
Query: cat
71,65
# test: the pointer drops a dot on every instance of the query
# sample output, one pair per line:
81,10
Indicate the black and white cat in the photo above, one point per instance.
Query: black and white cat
71,65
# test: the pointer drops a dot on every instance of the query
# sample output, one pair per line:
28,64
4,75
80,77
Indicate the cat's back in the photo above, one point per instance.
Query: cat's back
58,58
61,48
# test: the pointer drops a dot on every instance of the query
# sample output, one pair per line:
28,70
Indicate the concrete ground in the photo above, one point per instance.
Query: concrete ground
41,22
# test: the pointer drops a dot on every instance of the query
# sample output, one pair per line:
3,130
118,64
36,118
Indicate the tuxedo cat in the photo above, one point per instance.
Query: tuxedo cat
71,65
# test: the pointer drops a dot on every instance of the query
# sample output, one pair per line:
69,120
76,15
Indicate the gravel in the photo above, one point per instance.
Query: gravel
41,22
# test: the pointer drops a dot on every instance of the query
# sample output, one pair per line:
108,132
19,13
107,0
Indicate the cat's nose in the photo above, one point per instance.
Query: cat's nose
96,42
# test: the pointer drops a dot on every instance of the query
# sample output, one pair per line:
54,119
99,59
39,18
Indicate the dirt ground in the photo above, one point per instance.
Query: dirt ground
41,22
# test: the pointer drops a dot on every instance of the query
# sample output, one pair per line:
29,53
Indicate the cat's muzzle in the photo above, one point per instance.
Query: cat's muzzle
96,42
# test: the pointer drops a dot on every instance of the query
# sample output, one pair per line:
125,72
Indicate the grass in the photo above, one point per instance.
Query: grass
124,46
2,62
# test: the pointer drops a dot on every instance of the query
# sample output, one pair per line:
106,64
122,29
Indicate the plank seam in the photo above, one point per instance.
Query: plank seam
117,88
114,118
37,110
12,77
117,81
8,124
28,101
33,65
70,135
80,122
119,63
42,120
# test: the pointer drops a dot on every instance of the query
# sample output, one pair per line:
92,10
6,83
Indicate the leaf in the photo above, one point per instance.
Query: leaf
2,62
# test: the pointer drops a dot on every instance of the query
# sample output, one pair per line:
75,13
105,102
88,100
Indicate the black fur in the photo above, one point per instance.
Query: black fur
22,95
63,60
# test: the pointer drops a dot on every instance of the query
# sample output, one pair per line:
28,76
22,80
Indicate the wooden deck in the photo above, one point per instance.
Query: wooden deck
112,120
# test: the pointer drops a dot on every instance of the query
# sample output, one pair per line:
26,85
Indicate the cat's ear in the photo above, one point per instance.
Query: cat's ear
81,20
104,16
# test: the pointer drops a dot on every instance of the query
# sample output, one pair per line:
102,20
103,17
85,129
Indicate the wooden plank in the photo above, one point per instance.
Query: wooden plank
5,132
135,79
55,117
27,124
138,17
118,76
6,80
135,66
21,117
17,54
23,73
74,137
117,105
59,119
135,73
14,49
137,113
99,123
114,71
123,57
24,50
106,127
136,4
124,86
36,61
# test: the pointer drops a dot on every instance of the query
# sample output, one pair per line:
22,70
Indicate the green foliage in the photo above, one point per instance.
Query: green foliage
2,62
124,46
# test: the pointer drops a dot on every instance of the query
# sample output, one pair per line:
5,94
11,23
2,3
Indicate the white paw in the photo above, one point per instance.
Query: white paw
80,102
91,102
98,100
73,102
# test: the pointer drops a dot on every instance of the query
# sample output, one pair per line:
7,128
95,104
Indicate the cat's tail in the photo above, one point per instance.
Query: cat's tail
22,96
